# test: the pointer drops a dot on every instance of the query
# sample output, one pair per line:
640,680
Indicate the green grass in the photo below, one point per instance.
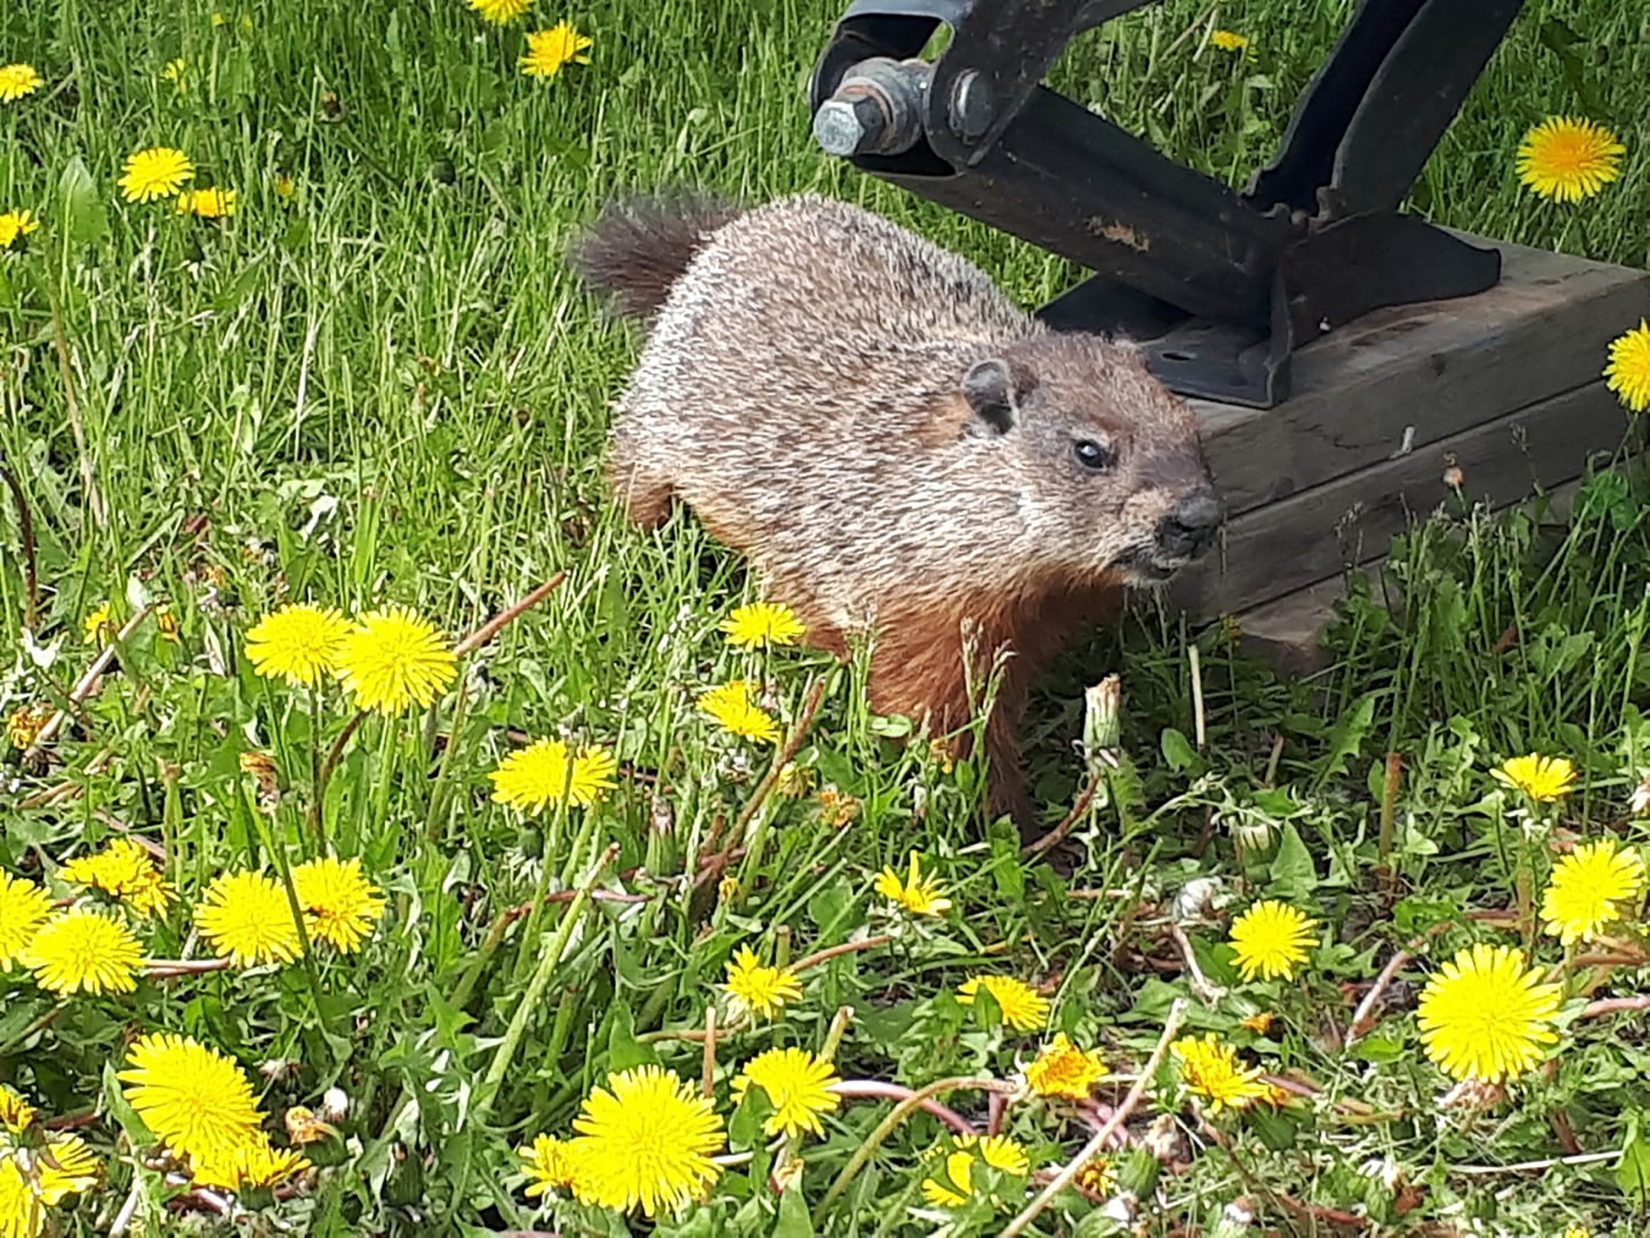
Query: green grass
388,389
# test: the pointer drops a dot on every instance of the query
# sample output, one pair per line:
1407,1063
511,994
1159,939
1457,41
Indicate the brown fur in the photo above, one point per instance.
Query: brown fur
893,443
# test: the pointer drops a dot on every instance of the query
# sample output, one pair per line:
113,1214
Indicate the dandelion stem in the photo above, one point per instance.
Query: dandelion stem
1068,1175
832,952
876,1089
906,1107
31,571
317,815
549,960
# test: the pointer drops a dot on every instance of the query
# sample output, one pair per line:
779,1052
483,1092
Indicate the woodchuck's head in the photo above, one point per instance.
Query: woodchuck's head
1110,476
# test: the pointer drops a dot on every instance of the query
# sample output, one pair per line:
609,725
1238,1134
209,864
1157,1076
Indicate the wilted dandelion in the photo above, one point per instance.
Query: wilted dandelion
1023,1007
797,1083
755,989
1210,1069
1063,1069
393,659
731,705
1596,883
1484,1016
763,623
1566,159
15,225
125,871
340,905
1097,1177
23,909
158,172
1541,778
299,643
542,774
18,81
248,919
1627,374
1260,1023
193,1098
24,725
917,894
253,1163
548,51
646,1138
1271,939
1228,40
83,951
549,1165
207,203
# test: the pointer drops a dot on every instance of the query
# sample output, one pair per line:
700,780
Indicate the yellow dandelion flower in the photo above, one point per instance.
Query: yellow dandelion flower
1271,939
763,623
299,643
100,625
1260,1022
207,203
1566,159
15,225
1590,887
125,871
22,1214
1484,1016
23,909
919,895
285,187
158,172
1541,778
1062,1069
1577,1231
305,1126
732,706
83,950
646,1138
797,1083
16,1114
542,774
174,72
1628,374
248,920
549,50
549,1165
68,1166
18,80
23,727
757,990
340,905
997,1151
394,659
1228,40
1211,1069
1023,1007
194,1099
500,12
254,1163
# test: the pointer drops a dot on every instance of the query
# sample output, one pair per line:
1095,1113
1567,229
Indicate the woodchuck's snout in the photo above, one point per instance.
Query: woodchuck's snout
898,447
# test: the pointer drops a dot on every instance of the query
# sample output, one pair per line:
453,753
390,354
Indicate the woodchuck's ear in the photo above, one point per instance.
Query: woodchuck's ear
993,393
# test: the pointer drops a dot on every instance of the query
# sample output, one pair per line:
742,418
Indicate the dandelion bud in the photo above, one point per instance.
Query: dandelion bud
1102,717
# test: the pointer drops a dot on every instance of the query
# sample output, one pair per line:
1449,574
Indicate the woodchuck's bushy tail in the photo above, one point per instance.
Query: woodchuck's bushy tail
638,248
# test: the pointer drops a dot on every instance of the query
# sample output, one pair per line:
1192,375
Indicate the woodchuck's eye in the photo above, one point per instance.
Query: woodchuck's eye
1093,455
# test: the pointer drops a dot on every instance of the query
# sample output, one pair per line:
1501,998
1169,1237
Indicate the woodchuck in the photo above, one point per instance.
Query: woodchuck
897,447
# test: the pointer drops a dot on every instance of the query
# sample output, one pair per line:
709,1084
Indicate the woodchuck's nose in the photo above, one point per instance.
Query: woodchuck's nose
1187,530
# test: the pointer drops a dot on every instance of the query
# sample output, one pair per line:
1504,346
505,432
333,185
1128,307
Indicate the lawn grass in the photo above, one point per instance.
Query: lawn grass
385,388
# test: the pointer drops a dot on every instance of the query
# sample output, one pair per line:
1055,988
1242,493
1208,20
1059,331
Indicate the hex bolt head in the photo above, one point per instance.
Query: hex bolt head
849,126
971,109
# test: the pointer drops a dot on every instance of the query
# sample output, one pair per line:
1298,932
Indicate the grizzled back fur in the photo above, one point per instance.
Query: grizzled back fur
637,250
897,446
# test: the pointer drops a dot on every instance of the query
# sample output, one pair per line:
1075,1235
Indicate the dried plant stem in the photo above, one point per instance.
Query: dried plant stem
908,1105
1615,1005
876,1089
1063,1179
1520,1167
793,745
84,685
1200,724
1055,836
847,947
475,640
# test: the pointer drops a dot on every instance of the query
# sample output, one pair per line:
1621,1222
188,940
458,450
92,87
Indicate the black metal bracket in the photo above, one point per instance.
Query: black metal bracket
1220,285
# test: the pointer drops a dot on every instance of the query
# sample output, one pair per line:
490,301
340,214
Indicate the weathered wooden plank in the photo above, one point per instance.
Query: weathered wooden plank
1411,375
1307,537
